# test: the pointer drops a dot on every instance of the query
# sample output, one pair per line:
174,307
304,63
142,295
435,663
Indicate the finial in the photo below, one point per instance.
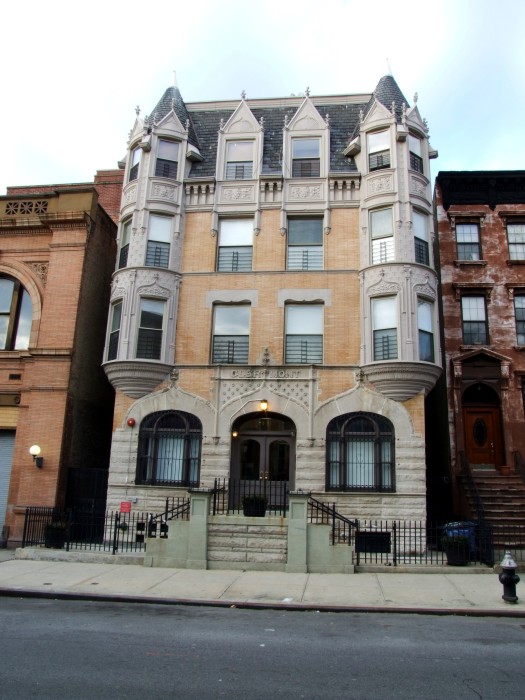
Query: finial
307,92
393,108
327,119
425,123
243,95
221,124
286,120
261,122
389,69
404,113
173,104
361,116
129,135
415,98
155,119
187,125
137,110
175,79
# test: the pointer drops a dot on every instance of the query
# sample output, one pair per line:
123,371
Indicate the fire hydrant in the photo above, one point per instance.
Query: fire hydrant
509,578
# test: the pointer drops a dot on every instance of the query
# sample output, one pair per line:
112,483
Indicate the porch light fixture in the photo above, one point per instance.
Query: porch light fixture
35,451
235,433
264,405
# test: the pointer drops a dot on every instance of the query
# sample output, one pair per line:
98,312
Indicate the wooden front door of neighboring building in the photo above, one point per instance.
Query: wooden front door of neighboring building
483,440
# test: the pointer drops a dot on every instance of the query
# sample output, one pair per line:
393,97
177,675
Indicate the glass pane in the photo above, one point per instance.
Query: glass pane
384,313
305,231
473,308
168,150
304,319
126,231
381,223
232,320
424,315
115,319
151,313
380,141
136,157
239,151
360,463
159,228
4,325
382,250
414,145
419,222
236,232
25,318
305,148
6,295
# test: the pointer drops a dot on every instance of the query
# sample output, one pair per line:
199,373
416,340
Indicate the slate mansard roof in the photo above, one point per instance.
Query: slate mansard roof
343,113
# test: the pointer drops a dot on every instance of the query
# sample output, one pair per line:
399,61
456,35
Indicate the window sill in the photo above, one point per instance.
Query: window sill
468,263
515,262
519,348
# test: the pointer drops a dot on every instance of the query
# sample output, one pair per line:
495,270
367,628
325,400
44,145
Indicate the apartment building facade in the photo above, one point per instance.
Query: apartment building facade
274,305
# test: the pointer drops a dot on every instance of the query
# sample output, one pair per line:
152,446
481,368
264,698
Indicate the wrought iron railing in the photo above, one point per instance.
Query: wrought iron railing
343,529
232,495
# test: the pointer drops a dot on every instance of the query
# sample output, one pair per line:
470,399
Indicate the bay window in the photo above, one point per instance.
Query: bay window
166,164
382,235
378,150
151,317
159,237
384,323
425,312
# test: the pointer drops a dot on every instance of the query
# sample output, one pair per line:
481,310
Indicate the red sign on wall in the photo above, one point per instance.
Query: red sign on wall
125,507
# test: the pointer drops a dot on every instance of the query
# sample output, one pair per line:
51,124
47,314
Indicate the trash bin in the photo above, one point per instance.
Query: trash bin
463,528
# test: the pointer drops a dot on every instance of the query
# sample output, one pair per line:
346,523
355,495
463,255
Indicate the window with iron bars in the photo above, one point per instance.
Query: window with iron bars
235,245
149,340
169,450
378,150
416,161
384,312
306,160
166,164
305,244
159,236
360,453
304,347
231,340
239,160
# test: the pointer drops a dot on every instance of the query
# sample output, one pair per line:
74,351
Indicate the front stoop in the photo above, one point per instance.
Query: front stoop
237,542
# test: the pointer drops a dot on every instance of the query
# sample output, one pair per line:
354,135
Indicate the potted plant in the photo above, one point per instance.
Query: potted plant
254,506
457,549
55,535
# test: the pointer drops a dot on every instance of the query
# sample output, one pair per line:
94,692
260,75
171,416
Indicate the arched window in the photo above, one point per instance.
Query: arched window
16,314
360,453
169,449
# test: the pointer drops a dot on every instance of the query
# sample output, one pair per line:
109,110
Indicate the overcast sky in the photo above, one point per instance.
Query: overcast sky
72,73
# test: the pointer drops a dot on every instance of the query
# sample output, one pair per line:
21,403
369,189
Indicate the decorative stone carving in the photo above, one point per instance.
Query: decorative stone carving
295,390
425,290
236,194
418,186
40,269
117,292
161,191
383,287
305,192
130,195
378,185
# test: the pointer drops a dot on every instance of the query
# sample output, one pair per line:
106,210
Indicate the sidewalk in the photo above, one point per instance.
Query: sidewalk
477,594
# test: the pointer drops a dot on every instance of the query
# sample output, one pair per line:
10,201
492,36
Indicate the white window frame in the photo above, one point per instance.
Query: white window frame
425,326
415,147
170,166
379,150
304,255
144,330
385,344
421,237
519,314
235,169
474,311
158,246
134,165
381,237
517,246
235,245
114,330
125,237
468,241
305,166
304,333
231,334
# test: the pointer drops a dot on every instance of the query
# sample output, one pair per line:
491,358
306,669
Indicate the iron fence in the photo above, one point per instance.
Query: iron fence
236,495
343,530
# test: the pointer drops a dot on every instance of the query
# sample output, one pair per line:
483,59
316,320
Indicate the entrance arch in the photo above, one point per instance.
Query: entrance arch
263,448
482,426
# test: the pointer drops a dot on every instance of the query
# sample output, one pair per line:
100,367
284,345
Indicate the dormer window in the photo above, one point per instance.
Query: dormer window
379,150
135,162
416,160
306,160
167,159
239,160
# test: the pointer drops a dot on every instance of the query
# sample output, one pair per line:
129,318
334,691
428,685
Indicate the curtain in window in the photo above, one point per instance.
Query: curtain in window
360,462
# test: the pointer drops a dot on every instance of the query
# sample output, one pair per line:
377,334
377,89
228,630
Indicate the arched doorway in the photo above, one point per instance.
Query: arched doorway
263,451
482,426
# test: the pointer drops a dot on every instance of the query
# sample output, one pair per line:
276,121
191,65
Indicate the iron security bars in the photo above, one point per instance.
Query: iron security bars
230,495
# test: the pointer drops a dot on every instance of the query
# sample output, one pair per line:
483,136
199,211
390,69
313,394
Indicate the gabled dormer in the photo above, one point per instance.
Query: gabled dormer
306,148
378,129
239,153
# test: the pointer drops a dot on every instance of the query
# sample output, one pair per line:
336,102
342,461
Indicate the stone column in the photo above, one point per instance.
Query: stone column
297,532
198,530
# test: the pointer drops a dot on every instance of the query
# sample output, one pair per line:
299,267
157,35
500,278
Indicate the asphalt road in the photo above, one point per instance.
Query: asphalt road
79,650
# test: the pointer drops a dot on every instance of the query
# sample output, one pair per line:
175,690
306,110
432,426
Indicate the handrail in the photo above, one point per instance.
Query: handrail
519,464
472,486
180,507
329,510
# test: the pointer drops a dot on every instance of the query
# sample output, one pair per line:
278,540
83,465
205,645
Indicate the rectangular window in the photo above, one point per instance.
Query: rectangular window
124,244
149,342
425,312
416,161
231,334
235,245
474,318
306,160
305,244
384,313
420,227
134,167
516,234
382,233
468,243
239,160
159,236
379,150
166,164
519,311
114,332
304,334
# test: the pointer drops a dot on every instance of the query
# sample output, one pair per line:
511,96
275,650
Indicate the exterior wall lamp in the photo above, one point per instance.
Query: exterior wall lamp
35,451
264,405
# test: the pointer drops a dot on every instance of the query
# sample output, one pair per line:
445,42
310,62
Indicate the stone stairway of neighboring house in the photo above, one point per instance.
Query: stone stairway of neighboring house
503,499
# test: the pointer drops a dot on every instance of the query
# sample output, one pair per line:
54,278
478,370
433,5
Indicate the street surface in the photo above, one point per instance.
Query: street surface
79,649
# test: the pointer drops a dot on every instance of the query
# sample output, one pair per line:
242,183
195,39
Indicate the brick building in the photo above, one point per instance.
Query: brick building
481,241
57,254
274,307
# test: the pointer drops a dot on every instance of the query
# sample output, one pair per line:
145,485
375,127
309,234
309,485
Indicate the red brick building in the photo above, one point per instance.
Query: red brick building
481,242
57,254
